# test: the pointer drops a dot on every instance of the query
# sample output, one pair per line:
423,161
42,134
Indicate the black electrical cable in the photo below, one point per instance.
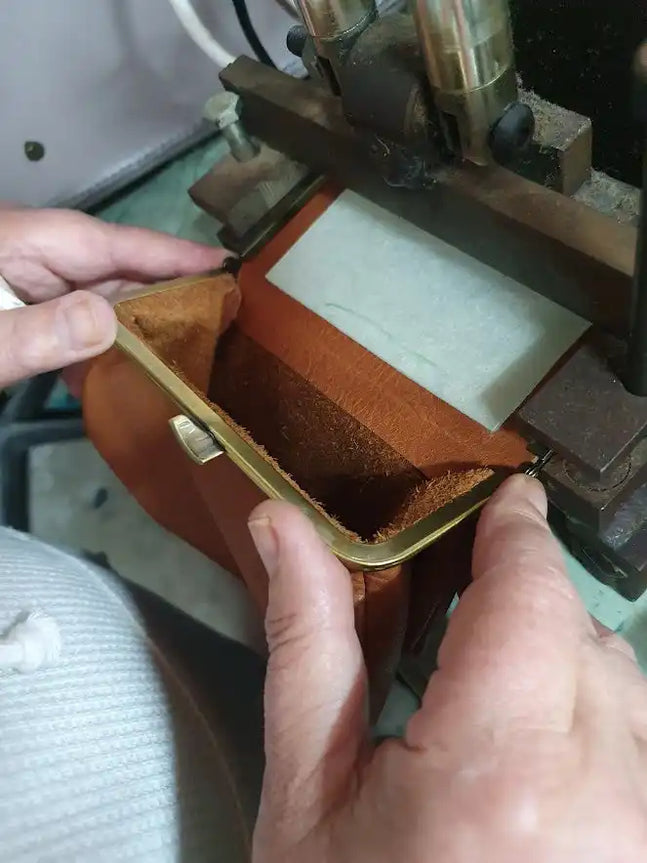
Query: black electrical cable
242,13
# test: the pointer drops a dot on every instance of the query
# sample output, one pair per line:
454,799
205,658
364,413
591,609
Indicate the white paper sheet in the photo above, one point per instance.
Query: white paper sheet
473,337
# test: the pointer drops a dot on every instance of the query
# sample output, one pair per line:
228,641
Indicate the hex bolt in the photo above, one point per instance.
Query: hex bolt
224,110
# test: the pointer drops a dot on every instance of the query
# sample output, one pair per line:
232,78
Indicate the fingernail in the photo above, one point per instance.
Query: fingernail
531,490
266,542
79,327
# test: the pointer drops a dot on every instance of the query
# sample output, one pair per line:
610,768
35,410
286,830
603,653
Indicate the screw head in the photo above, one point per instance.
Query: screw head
512,133
223,109
34,150
296,40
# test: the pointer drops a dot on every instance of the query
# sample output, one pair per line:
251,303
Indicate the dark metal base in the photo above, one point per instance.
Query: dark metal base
254,199
555,245
597,479
617,555
552,243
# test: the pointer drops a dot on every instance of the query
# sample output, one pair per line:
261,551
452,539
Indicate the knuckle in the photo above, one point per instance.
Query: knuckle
541,585
26,347
615,642
284,630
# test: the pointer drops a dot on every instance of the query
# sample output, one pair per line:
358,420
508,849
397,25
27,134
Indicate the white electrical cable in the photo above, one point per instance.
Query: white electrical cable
189,19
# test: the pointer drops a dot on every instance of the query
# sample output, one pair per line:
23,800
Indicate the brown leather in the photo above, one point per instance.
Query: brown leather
447,565
426,431
280,375
337,413
127,419
385,614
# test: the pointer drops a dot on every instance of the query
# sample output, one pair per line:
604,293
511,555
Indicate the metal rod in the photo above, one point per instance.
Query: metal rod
636,369
469,57
636,375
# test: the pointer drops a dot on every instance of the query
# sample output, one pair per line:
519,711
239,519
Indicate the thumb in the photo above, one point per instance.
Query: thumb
510,657
54,334
315,693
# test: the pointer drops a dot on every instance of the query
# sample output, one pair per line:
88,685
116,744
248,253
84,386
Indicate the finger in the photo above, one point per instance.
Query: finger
53,335
510,656
315,689
42,250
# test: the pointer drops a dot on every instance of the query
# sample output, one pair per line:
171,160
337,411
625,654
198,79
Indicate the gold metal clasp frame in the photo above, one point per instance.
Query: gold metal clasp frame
203,435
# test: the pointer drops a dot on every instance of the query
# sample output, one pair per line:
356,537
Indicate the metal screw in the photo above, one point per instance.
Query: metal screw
224,110
34,150
512,133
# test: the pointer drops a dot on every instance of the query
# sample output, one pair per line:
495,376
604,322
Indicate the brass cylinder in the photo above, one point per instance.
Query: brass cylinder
469,57
330,20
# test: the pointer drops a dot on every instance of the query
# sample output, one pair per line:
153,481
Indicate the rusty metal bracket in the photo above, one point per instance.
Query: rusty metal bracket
554,244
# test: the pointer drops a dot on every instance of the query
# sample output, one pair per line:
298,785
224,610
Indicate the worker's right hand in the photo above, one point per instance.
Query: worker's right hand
530,745
72,266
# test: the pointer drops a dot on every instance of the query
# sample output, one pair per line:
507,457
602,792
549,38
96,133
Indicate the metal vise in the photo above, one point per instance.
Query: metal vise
417,113
444,85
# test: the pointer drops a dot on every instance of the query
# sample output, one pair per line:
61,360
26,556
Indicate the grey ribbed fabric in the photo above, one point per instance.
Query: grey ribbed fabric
106,756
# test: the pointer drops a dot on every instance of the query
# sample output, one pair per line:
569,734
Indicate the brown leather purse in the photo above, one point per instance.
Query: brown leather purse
391,475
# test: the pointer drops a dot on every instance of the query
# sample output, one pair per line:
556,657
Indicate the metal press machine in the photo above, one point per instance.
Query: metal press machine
422,112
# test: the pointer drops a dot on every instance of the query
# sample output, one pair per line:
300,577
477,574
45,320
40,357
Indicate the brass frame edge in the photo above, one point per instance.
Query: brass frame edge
363,555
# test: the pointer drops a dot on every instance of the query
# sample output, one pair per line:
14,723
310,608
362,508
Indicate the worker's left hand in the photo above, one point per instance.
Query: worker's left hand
72,266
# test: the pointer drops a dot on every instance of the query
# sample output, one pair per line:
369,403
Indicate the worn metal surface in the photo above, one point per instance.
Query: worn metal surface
599,480
253,199
585,414
469,57
616,555
611,197
560,154
383,84
555,245
560,247
594,504
635,375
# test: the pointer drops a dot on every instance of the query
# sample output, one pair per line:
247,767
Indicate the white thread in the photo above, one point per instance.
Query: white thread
32,643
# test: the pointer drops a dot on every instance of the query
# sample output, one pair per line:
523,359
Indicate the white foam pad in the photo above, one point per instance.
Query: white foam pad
458,328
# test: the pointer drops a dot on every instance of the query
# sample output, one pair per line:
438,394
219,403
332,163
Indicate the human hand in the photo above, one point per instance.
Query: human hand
531,742
72,265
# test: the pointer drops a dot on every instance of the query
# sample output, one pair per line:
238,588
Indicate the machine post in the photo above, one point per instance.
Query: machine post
469,56
636,370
